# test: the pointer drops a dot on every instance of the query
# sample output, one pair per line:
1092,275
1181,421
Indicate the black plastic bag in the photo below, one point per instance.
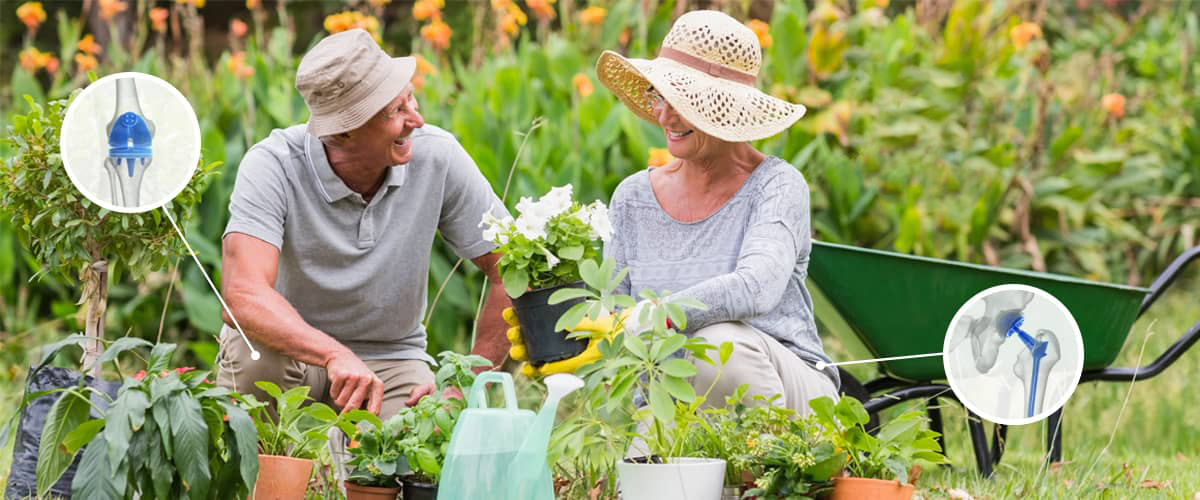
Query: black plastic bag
22,477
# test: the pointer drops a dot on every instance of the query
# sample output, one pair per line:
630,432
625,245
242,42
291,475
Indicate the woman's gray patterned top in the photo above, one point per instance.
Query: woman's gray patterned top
747,261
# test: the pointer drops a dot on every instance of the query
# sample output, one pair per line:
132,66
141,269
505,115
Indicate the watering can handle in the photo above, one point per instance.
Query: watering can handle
478,396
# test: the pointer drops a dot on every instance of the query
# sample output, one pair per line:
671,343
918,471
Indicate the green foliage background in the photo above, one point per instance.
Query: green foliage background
929,131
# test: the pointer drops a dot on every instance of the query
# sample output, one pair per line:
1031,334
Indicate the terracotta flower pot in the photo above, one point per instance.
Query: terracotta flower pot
282,478
361,492
852,488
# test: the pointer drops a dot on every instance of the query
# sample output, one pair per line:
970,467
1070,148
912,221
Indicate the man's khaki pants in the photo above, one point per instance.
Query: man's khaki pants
236,371
764,365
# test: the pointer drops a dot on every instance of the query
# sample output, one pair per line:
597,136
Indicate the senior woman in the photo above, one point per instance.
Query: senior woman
722,223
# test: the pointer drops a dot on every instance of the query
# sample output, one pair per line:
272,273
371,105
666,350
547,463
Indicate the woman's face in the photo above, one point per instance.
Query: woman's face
683,140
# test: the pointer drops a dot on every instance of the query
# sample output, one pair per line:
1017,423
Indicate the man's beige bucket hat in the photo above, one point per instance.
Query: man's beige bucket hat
707,70
347,78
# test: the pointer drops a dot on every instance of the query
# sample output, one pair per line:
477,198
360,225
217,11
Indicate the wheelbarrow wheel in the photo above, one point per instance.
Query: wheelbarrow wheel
855,389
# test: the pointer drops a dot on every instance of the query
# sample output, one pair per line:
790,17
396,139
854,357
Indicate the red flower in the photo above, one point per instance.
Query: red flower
184,369
141,374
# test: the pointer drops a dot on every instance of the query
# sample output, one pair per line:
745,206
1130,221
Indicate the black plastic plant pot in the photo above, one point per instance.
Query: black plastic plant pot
415,489
543,344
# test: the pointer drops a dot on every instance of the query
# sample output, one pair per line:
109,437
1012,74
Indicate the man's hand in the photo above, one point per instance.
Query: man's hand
599,329
353,383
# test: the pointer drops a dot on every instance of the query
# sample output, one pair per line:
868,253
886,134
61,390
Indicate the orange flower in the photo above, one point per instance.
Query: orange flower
31,14
659,157
583,84
623,39
437,33
500,4
253,4
86,62
337,23
593,15
33,59
238,28
762,31
238,66
1113,103
1022,33
198,3
424,67
158,19
89,46
110,8
424,10
52,65
541,8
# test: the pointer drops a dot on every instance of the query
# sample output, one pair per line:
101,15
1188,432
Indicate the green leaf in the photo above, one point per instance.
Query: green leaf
566,294
160,357
246,442
668,346
679,389
726,351
590,272
571,252
93,478
636,346
678,367
121,345
69,412
661,405
516,282
50,350
851,412
82,435
190,440
131,404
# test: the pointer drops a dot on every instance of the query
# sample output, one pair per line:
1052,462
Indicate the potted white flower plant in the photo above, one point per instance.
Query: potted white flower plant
542,249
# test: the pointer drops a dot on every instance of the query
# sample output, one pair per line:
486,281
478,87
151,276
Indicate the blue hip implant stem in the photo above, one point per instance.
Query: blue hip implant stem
1037,349
130,135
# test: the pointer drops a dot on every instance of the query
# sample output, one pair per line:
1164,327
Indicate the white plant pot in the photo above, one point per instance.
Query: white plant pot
678,479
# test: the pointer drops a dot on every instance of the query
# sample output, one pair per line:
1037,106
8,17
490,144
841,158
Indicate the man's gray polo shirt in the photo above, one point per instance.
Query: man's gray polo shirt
355,270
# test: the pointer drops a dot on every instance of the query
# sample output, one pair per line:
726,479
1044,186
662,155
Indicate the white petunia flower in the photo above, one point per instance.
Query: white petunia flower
551,260
525,206
531,227
598,219
557,201
495,229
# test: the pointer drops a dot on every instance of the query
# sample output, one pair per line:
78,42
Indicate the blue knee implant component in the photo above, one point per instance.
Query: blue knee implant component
130,136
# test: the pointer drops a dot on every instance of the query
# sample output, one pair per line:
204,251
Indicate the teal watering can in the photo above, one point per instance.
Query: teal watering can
500,453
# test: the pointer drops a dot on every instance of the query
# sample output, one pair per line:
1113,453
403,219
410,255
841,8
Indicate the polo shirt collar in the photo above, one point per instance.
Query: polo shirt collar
332,187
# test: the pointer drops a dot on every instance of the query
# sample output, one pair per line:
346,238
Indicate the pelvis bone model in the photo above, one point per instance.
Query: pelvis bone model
129,140
1003,319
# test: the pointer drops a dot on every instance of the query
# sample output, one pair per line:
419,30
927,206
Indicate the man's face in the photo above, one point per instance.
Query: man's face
387,135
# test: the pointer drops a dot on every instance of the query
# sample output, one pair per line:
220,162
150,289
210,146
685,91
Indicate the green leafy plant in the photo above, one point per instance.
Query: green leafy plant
168,434
548,240
419,434
902,441
298,428
644,354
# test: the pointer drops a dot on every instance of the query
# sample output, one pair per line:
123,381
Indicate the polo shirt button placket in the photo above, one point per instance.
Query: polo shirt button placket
366,229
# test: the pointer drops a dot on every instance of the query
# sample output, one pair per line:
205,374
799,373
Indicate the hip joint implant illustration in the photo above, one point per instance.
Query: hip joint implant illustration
130,135
1004,319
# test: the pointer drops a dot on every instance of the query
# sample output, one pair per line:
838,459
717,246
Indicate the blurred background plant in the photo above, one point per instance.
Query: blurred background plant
1050,135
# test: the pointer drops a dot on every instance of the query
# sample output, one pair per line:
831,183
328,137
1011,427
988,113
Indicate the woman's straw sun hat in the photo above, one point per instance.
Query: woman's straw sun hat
706,69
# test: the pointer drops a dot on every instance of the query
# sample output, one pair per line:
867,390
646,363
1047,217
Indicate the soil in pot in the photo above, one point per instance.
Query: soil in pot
853,488
282,478
544,344
361,492
416,489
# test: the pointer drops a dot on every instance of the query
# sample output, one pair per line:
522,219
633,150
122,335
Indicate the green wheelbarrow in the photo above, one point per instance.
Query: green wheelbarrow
869,289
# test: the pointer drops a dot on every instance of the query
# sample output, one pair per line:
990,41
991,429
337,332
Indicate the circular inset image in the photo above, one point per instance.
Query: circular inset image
130,142
1013,354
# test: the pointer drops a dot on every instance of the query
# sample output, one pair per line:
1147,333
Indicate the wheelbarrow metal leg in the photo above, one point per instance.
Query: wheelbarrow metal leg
983,457
999,442
935,421
1054,436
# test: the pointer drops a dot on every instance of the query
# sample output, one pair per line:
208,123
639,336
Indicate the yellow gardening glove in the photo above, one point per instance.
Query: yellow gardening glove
597,329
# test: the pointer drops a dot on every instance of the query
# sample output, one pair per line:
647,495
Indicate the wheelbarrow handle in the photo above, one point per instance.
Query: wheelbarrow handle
1168,276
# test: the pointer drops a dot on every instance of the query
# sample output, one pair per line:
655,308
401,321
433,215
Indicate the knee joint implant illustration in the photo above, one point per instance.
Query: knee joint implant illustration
1004,319
130,135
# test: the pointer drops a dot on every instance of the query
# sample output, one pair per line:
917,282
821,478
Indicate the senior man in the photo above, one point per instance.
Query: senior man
326,254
